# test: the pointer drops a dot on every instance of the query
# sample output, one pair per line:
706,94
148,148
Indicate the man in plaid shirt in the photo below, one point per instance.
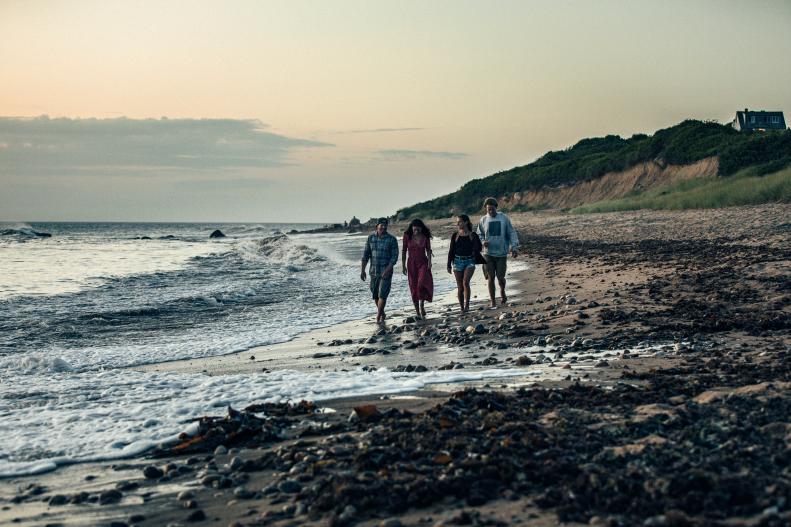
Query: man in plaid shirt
381,249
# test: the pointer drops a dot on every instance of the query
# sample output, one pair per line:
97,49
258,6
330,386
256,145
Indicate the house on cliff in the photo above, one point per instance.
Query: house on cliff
760,121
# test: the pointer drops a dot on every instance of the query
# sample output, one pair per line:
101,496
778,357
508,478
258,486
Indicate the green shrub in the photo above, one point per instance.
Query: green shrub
684,143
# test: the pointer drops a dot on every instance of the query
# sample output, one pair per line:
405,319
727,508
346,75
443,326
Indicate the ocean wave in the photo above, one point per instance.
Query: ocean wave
280,250
24,232
35,363
118,414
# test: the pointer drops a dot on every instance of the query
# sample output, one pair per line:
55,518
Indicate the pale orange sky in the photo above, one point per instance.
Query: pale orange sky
405,100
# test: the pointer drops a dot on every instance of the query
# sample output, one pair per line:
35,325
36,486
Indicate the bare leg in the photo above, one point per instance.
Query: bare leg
503,298
378,312
380,304
417,307
467,290
423,308
460,288
490,283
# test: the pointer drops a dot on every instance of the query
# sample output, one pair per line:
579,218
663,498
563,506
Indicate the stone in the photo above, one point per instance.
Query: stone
58,499
220,451
523,360
289,486
196,516
243,493
185,495
236,464
477,329
217,234
209,479
152,472
125,486
110,496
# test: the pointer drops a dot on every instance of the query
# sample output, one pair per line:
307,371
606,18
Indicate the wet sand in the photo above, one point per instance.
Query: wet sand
660,396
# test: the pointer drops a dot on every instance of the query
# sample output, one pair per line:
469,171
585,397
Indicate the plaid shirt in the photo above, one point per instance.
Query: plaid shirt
381,252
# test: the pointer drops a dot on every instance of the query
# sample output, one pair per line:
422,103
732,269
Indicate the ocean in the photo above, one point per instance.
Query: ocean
81,308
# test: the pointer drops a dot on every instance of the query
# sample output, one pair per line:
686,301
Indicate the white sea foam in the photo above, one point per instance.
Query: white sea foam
65,417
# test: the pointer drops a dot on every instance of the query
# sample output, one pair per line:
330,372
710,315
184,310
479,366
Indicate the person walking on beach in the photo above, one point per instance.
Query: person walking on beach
465,252
498,236
381,249
416,264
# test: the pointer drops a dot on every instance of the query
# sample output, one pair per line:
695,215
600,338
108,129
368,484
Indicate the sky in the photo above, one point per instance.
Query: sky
314,111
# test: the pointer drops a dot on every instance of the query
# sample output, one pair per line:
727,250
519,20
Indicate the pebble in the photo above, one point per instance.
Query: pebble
110,496
209,479
236,464
152,472
289,486
243,493
124,486
220,451
185,495
196,516
58,499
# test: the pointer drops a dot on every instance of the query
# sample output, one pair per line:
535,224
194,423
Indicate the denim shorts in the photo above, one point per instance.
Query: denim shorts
460,263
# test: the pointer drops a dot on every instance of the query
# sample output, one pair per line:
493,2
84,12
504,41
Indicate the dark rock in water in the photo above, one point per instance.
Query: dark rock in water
58,499
152,472
168,237
110,496
196,516
217,234
144,238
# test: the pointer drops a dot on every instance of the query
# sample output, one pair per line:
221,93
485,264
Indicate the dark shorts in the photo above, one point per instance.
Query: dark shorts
495,265
380,287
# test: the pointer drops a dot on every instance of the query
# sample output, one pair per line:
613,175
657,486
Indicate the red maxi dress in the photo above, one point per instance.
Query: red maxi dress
421,283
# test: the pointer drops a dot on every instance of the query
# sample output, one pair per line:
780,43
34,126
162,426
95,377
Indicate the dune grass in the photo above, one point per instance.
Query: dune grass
742,188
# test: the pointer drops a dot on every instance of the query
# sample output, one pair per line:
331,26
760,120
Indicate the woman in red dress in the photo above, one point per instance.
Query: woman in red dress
417,267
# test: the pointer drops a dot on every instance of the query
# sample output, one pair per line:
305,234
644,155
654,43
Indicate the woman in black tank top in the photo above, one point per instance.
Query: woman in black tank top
465,250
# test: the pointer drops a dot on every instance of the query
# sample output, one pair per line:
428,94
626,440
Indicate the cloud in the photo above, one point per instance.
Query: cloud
63,145
380,130
415,154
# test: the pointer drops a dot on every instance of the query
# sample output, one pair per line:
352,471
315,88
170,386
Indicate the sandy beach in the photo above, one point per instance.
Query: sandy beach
644,377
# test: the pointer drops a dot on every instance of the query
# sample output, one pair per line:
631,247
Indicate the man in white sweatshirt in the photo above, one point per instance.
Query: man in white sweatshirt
499,237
